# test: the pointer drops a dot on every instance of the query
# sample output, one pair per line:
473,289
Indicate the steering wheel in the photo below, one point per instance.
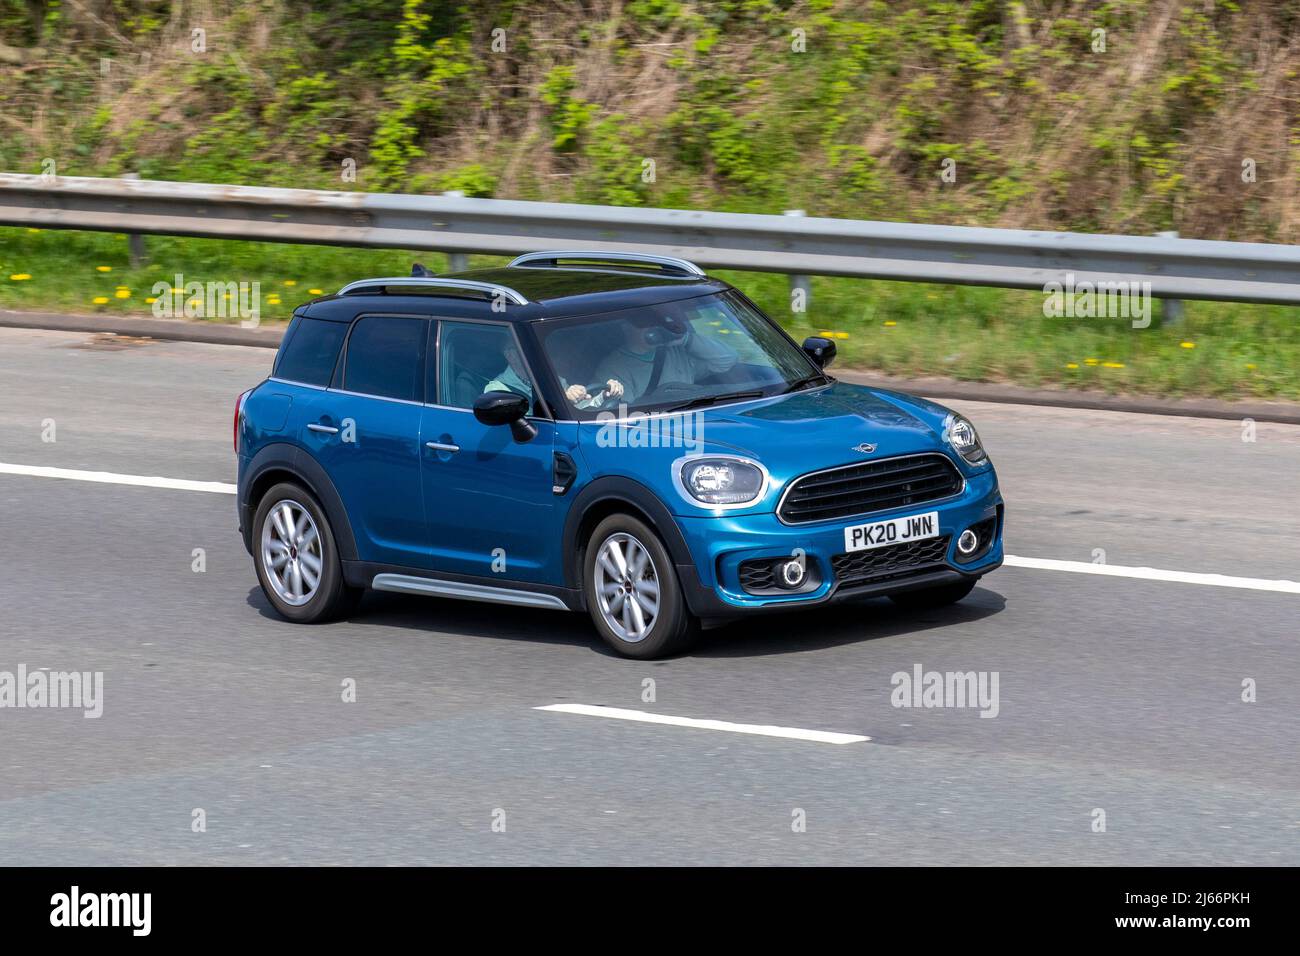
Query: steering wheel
596,396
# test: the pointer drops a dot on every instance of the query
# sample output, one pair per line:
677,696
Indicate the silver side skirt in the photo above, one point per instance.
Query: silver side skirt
408,584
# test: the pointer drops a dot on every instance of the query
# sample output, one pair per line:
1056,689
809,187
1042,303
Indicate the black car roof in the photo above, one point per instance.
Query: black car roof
551,293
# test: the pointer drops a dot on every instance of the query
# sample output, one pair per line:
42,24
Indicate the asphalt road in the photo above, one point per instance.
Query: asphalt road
1116,694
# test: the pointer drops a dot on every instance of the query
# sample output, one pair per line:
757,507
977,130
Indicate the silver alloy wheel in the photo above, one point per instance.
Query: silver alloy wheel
627,587
291,552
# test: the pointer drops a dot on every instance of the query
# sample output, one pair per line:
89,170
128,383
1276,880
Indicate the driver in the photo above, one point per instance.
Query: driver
628,370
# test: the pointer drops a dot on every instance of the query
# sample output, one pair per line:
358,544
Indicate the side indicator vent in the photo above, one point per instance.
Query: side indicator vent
563,473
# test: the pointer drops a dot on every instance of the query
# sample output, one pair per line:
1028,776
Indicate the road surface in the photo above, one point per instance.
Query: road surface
1115,694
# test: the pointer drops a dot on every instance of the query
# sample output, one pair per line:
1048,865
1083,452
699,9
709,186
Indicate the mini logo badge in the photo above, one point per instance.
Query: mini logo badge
865,448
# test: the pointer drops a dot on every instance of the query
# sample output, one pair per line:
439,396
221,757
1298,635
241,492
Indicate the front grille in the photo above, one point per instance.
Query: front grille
891,561
870,486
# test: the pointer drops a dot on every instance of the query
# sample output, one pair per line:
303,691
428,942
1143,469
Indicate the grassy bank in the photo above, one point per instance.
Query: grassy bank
1221,350
1119,116
1129,116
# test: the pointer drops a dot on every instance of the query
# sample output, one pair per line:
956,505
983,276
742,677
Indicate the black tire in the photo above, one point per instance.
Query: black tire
673,627
332,598
940,596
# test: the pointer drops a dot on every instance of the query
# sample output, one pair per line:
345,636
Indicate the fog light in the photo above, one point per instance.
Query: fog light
792,574
968,542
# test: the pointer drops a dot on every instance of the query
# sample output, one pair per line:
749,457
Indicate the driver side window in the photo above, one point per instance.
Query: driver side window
477,357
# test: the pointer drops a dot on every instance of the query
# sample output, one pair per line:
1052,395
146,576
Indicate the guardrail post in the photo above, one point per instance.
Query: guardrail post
456,261
1171,310
139,255
800,282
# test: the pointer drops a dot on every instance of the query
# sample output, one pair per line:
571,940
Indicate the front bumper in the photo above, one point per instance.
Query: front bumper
720,545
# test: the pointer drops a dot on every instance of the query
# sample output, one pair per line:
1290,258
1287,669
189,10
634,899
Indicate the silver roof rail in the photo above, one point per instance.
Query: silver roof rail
669,264
489,289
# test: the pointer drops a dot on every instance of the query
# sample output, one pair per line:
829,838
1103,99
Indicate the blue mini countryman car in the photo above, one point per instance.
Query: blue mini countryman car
595,431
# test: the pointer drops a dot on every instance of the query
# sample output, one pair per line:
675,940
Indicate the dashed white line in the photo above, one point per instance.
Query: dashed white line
1154,574
761,730
111,478
1011,560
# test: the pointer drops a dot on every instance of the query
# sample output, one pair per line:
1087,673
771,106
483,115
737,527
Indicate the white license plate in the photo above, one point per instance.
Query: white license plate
861,537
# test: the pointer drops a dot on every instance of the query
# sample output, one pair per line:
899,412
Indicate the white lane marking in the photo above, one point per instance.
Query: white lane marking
1010,560
762,730
110,478
1154,574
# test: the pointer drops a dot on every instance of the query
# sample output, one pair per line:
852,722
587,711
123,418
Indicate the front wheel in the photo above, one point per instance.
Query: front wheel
940,596
632,590
296,558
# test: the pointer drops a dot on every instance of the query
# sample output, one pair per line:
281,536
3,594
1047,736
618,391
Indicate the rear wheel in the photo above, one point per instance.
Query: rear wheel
934,597
296,558
632,590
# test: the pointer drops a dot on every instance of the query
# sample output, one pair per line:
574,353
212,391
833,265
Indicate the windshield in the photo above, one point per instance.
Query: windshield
691,352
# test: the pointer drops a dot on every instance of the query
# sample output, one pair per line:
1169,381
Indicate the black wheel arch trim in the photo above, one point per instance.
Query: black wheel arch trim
624,491
282,456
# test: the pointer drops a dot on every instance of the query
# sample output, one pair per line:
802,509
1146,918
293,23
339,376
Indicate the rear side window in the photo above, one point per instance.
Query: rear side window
385,356
310,352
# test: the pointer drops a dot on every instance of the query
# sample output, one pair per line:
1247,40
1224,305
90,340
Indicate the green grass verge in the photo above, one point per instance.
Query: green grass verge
1223,350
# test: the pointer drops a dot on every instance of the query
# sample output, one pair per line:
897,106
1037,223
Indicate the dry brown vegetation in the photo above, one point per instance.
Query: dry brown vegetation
1046,129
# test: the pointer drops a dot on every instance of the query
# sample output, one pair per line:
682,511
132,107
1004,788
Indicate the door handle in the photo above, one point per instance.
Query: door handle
440,446
326,429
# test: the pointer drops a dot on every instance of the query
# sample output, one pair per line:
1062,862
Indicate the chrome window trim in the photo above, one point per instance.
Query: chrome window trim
858,464
403,401
542,418
382,398
470,411
289,381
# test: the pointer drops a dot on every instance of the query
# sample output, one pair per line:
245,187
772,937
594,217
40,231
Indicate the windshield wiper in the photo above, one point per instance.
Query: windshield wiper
714,399
817,379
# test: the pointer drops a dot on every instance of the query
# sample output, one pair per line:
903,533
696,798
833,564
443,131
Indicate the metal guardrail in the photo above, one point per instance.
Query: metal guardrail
1009,258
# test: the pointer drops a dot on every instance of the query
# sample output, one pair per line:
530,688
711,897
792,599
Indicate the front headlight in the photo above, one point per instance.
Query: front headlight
722,481
963,438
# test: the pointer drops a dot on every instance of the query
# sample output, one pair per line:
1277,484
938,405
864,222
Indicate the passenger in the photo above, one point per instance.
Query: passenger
513,378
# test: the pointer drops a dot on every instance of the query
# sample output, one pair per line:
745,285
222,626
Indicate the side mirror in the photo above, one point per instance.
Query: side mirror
506,408
820,350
